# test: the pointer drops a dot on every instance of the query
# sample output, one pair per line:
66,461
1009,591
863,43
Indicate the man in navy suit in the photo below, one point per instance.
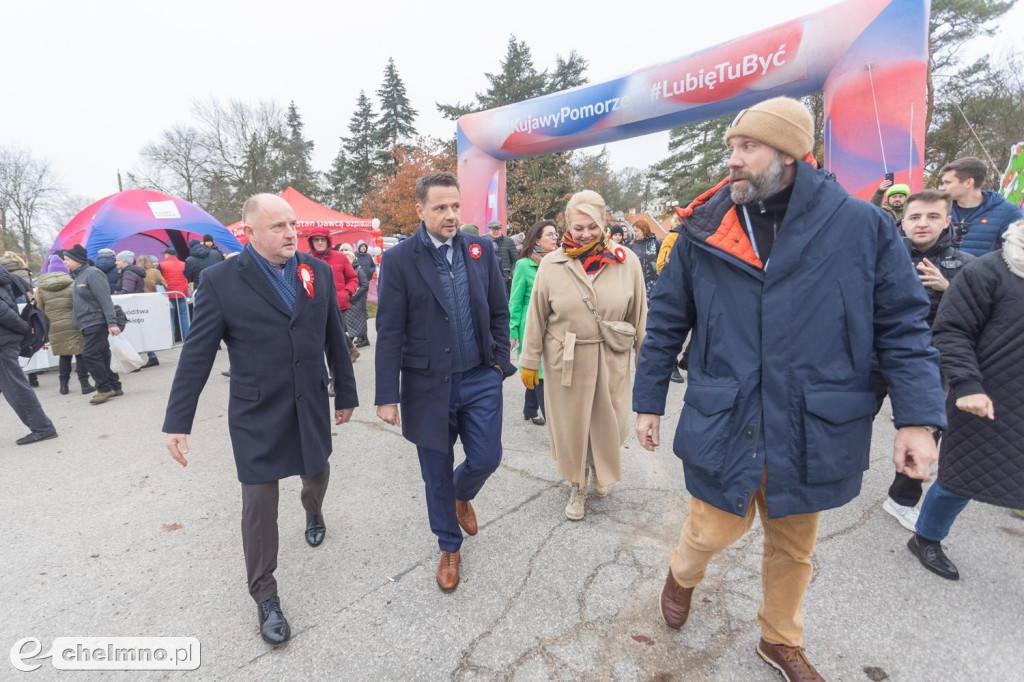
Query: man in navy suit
442,354
277,311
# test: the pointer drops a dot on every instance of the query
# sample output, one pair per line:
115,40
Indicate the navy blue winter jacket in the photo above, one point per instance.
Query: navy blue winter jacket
780,361
985,223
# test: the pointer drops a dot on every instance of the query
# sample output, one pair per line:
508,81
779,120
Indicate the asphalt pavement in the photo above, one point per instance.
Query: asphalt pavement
105,535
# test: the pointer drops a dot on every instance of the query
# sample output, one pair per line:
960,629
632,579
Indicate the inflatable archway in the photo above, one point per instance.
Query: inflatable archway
869,56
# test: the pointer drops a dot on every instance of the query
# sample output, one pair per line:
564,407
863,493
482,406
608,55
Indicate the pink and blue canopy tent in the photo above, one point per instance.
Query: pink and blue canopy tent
142,221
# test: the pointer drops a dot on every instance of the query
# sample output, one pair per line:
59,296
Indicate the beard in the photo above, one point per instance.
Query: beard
760,186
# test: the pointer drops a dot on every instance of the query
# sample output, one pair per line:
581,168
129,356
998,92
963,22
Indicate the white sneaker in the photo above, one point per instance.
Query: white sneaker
599,490
574,510
907,516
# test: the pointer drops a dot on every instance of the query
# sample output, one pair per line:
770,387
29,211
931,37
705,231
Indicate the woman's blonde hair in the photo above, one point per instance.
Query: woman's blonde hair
587,202
145,262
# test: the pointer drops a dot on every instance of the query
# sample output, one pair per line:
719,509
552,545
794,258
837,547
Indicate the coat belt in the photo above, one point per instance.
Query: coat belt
569,342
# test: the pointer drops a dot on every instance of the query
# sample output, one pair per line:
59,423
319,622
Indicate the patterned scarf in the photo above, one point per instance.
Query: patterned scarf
593,256
1013,248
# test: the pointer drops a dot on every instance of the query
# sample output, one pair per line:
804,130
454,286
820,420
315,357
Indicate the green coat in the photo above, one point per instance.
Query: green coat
519,300
54,296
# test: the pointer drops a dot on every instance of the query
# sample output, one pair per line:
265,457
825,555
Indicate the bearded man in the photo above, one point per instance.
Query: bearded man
788,284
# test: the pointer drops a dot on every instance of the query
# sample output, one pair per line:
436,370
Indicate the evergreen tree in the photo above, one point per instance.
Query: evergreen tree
340,192
396,114
697,161
297,156
568,72
363,150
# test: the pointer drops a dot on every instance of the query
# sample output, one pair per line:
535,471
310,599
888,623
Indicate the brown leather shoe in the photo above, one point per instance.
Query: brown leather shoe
791,661
101,398
466,516
675,602
448,571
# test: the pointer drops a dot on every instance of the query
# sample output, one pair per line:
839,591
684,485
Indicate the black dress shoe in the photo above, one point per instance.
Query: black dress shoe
37,436
539,421
932,557
152,362
315,529
362,343
274,628
676,377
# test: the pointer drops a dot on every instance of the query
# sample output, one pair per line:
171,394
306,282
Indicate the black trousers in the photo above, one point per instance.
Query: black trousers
96,354
64,368
534,400
259,528
904,490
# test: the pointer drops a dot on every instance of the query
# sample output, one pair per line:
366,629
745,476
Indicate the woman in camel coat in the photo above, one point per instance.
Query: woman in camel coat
587,384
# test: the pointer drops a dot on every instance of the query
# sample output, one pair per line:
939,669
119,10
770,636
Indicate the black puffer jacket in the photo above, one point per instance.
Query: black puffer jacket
12,327
200,257
131,280
980,332
948,259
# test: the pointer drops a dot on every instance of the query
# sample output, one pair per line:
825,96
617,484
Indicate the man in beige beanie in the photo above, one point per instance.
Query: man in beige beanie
788,285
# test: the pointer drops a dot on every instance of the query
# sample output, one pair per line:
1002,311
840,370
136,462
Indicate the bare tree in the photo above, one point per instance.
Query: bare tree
28,187
244,146
178,163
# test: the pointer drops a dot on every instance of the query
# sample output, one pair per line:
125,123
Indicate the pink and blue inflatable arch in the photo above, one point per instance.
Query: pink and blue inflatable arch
869,56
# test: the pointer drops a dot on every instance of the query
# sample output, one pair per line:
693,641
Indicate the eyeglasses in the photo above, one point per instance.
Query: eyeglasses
551,235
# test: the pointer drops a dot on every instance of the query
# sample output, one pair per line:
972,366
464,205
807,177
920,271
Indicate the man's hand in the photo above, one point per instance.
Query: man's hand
885,184
978,404
914,451
114,331
342,416
530,377
389,414
647,427
931,276
177,445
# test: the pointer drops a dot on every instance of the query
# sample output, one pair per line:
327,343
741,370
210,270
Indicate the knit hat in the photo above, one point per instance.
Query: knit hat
781,122
127,256
897,189
207,238
105,252
615,229
76,253
470,228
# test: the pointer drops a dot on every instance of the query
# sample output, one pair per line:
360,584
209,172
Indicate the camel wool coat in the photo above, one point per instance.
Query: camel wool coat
587,387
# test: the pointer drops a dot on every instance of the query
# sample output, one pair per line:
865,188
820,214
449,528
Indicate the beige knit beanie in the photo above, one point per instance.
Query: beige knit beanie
781,122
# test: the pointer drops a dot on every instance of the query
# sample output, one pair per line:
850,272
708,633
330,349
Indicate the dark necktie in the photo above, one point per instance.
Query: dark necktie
443,249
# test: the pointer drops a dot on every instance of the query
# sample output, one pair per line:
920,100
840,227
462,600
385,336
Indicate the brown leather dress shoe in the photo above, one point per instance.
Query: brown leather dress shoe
448,571
675,602
791,661
466,516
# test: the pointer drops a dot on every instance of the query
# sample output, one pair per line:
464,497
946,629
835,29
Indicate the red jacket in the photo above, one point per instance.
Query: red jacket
346,281
174,272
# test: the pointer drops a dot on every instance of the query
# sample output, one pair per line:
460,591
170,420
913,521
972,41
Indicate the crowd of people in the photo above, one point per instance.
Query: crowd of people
800,309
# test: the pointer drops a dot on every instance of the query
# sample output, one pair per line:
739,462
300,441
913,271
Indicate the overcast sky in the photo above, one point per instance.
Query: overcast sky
87,84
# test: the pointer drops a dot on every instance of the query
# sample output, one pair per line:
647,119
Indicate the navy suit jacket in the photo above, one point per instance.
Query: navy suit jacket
413,356
279,414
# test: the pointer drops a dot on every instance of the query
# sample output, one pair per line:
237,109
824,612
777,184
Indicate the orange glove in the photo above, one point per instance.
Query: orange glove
530,377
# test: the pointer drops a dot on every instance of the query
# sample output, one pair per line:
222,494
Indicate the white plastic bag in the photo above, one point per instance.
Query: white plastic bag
123,358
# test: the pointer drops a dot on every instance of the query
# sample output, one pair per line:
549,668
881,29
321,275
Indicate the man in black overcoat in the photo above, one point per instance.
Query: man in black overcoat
277,311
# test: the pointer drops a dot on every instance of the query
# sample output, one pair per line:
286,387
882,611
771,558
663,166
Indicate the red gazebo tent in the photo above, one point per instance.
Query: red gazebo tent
310,214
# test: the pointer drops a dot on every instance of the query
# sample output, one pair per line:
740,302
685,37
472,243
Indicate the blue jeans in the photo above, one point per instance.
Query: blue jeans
474,415
179,318
938,512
